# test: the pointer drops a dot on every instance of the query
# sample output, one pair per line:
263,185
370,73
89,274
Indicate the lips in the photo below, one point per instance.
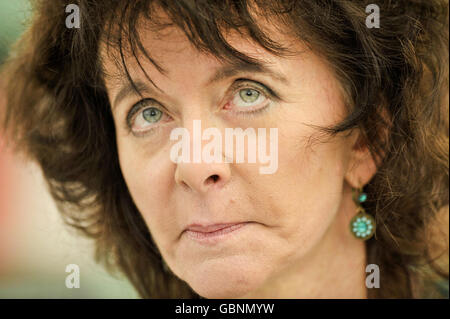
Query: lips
200,232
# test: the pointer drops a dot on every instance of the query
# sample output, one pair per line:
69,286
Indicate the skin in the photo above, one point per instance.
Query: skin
298,244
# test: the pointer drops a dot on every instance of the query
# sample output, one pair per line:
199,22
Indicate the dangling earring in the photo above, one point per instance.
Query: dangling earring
362,225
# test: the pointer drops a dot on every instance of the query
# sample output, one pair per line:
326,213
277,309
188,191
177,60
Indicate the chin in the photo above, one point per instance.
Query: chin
218,280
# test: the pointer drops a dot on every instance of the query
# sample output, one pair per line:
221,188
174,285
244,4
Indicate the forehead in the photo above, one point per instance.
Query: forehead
167,49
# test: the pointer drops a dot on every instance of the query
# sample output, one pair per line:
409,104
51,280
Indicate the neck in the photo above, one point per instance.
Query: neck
335,268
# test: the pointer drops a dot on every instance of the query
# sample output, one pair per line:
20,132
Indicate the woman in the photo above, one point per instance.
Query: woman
355,116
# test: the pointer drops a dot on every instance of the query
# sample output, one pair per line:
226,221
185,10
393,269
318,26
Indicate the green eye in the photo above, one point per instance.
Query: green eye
152,115
249,95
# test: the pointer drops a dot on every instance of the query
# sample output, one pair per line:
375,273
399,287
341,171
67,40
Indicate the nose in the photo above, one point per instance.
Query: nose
202,177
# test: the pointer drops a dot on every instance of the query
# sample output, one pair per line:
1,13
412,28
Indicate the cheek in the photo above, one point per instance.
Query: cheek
148,178
312,165
305,194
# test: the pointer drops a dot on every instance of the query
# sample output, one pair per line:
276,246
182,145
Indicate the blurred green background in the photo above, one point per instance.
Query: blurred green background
35,246
12,15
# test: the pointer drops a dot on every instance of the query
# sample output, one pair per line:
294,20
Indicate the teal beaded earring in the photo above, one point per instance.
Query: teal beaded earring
362,225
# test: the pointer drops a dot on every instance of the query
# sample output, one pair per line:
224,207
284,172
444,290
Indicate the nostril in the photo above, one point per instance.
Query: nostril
213,178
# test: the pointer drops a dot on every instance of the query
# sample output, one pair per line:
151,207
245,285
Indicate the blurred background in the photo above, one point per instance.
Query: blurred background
35,245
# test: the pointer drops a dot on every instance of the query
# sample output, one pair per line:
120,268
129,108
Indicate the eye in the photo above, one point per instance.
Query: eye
249,98
145,116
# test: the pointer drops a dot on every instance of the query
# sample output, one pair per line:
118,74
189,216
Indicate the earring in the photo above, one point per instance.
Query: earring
362,224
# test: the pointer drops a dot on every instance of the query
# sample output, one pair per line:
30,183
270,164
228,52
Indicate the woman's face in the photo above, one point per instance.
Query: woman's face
282,216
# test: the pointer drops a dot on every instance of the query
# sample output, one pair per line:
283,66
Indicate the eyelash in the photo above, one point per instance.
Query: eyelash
239,84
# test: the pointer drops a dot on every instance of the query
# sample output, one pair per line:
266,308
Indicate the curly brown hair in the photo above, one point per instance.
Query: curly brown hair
395,78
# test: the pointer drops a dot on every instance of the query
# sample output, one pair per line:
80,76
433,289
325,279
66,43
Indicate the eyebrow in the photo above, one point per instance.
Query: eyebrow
223,72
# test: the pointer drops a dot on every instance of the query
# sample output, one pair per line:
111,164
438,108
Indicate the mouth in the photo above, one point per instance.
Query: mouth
213,233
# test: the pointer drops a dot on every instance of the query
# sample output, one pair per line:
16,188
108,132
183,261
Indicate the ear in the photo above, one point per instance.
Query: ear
361,166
